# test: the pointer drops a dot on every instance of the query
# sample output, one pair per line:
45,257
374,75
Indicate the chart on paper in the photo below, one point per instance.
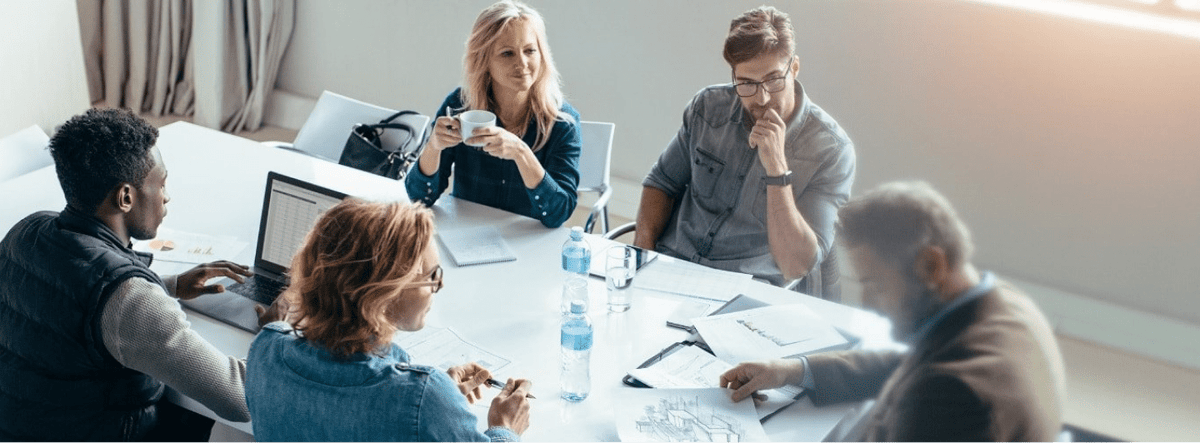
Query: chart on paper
444,348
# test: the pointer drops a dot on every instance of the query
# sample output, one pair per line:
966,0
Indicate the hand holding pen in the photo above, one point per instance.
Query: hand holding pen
496,384
470,379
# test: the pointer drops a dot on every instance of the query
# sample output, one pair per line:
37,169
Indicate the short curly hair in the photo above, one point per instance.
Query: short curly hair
98,150
349,273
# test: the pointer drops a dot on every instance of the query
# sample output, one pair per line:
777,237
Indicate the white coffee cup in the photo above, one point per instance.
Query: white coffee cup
470,120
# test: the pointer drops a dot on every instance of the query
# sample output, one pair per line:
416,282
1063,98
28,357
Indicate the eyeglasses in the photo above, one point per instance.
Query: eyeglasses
750,88
435,280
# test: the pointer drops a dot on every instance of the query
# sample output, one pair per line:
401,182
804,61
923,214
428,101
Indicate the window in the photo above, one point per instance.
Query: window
1178,17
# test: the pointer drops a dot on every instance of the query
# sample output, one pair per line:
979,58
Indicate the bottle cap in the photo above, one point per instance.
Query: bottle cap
578,307
576,233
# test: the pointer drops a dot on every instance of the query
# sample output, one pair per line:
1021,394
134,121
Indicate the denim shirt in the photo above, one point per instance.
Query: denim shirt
496,182
297,391
716,180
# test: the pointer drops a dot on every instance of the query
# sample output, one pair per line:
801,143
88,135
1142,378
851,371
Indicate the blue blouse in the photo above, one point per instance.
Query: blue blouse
297,391
497,182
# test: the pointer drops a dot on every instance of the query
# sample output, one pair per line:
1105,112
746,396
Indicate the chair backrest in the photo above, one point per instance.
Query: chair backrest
595,162
23,152
325,132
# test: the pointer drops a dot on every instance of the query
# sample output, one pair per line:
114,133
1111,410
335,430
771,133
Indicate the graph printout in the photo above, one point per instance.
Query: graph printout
444,348
769,332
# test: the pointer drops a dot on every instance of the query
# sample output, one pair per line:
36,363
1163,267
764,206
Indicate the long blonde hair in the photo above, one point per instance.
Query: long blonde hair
349,273
545,98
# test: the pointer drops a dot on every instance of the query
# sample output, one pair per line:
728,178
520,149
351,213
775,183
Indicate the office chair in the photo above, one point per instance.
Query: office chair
325,132
24,151
595,164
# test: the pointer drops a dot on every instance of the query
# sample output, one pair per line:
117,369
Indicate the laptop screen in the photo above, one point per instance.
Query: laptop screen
291,208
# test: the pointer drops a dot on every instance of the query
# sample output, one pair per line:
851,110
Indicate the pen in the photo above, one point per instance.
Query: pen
496,384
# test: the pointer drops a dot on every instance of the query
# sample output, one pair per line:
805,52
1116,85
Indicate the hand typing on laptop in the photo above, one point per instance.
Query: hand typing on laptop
191,284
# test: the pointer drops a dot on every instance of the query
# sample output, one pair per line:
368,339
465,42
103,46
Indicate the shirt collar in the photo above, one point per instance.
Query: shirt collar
987,282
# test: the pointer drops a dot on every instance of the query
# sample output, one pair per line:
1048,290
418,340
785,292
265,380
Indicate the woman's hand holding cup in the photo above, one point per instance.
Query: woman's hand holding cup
446,133
471,120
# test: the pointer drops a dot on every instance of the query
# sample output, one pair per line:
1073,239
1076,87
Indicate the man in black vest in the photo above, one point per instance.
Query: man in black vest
88,334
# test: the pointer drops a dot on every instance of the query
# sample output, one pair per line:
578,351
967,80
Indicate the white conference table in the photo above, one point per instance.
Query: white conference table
216,183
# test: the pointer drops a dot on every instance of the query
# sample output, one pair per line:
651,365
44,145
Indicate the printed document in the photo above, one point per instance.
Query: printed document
691,367
186,247
767,333
473,246
680,277
686,415
443,348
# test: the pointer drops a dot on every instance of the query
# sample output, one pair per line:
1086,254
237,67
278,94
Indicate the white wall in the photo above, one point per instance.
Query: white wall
42,80
1070,147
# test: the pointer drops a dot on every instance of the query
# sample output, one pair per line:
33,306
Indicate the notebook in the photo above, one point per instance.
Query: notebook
476,246
291,208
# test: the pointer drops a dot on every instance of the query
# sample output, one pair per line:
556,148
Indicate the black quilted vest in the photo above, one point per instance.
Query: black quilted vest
57,380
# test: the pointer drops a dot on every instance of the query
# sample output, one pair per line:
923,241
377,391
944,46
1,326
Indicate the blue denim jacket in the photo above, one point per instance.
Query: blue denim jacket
297,391
497,182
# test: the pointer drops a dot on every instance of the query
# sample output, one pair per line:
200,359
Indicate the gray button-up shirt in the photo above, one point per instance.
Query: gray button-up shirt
716,180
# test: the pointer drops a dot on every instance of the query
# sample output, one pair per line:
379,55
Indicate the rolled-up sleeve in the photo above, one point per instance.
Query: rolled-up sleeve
828,191
555,197
673,170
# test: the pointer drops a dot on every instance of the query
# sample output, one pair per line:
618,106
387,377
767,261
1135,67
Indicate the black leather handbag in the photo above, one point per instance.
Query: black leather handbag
365,151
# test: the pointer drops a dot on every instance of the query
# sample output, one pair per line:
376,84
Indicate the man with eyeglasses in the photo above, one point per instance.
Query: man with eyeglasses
754,178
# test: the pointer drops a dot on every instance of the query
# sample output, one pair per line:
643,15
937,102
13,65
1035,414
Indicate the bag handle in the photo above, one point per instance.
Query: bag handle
387,124
398,115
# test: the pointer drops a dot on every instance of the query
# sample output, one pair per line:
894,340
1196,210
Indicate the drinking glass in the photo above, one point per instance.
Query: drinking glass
620,267
575,288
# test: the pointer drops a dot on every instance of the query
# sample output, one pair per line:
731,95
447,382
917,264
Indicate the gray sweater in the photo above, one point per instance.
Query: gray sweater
146,330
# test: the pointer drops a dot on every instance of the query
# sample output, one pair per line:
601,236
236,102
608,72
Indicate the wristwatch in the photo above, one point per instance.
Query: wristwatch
779,180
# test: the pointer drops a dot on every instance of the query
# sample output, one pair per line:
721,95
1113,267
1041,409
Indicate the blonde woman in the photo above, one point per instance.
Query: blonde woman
529,162
330,371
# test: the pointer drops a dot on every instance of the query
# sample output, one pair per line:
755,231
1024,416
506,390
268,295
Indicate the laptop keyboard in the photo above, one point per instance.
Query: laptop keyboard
262,290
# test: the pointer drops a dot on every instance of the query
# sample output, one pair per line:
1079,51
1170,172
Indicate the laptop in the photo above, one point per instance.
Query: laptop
291,208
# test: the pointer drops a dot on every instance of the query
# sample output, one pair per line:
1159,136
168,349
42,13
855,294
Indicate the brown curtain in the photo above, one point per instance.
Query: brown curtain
256,34
137,54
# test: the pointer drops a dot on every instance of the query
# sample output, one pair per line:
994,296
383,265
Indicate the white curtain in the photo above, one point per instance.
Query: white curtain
256,34
137,54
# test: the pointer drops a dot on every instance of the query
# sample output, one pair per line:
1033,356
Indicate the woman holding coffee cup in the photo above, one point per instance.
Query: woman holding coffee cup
511,137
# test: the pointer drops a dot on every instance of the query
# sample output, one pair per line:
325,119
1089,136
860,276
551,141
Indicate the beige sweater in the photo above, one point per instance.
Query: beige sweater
145,329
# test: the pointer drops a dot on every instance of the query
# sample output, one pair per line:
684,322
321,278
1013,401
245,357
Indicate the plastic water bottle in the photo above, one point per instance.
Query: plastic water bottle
576,254
576,346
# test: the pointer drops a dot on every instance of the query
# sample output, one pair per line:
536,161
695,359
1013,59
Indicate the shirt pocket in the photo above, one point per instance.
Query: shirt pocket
706,173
